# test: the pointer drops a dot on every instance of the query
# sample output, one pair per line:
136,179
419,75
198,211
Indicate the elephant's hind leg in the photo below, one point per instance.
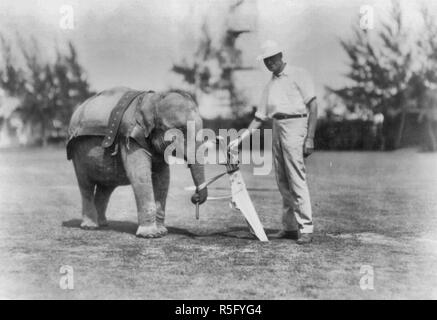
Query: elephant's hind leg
89,212
101,199
87,190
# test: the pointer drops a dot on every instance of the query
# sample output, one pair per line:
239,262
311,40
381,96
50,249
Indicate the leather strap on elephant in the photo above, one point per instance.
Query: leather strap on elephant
116,116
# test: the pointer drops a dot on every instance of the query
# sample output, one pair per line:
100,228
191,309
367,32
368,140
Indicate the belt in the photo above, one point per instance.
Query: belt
283,116
116,116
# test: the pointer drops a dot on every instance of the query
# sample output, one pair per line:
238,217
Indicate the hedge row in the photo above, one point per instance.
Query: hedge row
338,135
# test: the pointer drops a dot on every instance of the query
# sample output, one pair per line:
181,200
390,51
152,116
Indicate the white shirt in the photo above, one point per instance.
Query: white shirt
288,93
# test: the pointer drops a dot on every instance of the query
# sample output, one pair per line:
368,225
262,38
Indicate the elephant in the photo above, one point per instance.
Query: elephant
137,157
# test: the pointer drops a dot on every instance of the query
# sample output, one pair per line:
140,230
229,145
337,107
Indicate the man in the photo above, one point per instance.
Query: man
289,99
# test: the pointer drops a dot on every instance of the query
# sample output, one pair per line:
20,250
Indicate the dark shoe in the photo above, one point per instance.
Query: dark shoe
283,234
305,238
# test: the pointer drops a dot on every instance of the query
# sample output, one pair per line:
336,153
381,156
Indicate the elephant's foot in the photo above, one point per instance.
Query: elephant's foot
88,224
162,229
160,223
102,222
151,231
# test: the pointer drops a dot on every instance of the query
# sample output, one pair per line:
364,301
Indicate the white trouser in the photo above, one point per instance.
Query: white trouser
288,140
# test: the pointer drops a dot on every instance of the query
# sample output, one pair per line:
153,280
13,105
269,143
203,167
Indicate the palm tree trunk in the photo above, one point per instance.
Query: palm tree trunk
400,130
431,136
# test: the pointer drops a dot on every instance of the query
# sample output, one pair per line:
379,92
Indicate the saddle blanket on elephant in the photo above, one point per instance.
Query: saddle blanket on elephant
110,114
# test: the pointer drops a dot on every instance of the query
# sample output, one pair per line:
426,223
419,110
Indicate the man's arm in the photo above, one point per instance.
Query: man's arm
312,123
255,124
260,116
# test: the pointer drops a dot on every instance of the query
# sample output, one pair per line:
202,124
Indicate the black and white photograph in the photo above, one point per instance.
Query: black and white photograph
218,150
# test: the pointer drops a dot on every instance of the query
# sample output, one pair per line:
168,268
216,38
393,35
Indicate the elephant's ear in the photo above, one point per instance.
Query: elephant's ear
175,110
148,113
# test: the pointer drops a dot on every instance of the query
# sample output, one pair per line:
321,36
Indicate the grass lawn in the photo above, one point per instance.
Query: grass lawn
377,209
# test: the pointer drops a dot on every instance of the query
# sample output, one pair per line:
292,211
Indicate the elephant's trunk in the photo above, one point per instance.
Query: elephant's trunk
198,174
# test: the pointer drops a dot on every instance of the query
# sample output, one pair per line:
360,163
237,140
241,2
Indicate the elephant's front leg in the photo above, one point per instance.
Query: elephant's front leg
161,181
138,166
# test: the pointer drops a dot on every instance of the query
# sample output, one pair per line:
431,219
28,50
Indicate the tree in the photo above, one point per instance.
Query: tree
48,91
38,106
11,77
427,46
72,86
381,69
213,67
427,79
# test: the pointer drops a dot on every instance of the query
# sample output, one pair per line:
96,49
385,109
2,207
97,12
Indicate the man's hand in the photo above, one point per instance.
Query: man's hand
308,147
